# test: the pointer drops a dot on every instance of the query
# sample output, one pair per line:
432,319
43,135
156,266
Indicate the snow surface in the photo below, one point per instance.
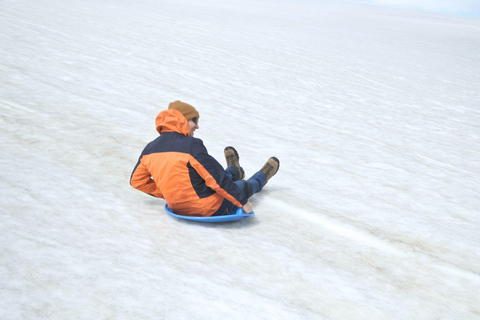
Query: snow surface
468,8
373,112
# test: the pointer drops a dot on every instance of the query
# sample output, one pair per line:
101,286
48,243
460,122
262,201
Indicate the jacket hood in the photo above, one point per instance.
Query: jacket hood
172,121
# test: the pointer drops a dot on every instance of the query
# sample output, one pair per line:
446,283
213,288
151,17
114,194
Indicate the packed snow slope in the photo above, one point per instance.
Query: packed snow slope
374,113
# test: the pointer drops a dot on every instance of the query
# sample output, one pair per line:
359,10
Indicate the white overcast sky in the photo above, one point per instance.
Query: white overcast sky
469,8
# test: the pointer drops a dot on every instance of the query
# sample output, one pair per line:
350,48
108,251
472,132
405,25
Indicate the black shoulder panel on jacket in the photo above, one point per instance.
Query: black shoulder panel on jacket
169,142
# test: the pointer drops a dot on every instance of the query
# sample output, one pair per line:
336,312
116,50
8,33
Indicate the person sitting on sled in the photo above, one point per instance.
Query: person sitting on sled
177,167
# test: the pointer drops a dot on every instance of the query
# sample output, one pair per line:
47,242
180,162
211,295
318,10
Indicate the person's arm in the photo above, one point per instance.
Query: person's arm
214,175
142,180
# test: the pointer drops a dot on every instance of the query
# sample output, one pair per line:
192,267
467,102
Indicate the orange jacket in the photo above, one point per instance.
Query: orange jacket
179,169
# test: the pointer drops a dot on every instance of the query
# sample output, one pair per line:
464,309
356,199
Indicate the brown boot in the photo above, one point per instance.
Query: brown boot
270,168
232,158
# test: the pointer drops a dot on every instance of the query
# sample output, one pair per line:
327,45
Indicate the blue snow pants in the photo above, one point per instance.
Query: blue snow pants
250,187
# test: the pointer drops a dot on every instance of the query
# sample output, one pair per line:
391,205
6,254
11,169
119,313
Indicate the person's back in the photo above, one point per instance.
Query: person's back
177,167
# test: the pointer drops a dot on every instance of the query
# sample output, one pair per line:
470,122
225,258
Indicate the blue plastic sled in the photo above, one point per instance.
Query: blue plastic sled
239,215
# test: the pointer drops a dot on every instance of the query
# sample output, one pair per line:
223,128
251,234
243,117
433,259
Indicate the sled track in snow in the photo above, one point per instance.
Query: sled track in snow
359,236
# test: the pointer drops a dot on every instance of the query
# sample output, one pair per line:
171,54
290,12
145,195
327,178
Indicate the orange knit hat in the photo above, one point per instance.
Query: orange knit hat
187,110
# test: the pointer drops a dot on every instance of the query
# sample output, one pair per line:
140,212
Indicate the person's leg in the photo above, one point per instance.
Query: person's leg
233,173
250,187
